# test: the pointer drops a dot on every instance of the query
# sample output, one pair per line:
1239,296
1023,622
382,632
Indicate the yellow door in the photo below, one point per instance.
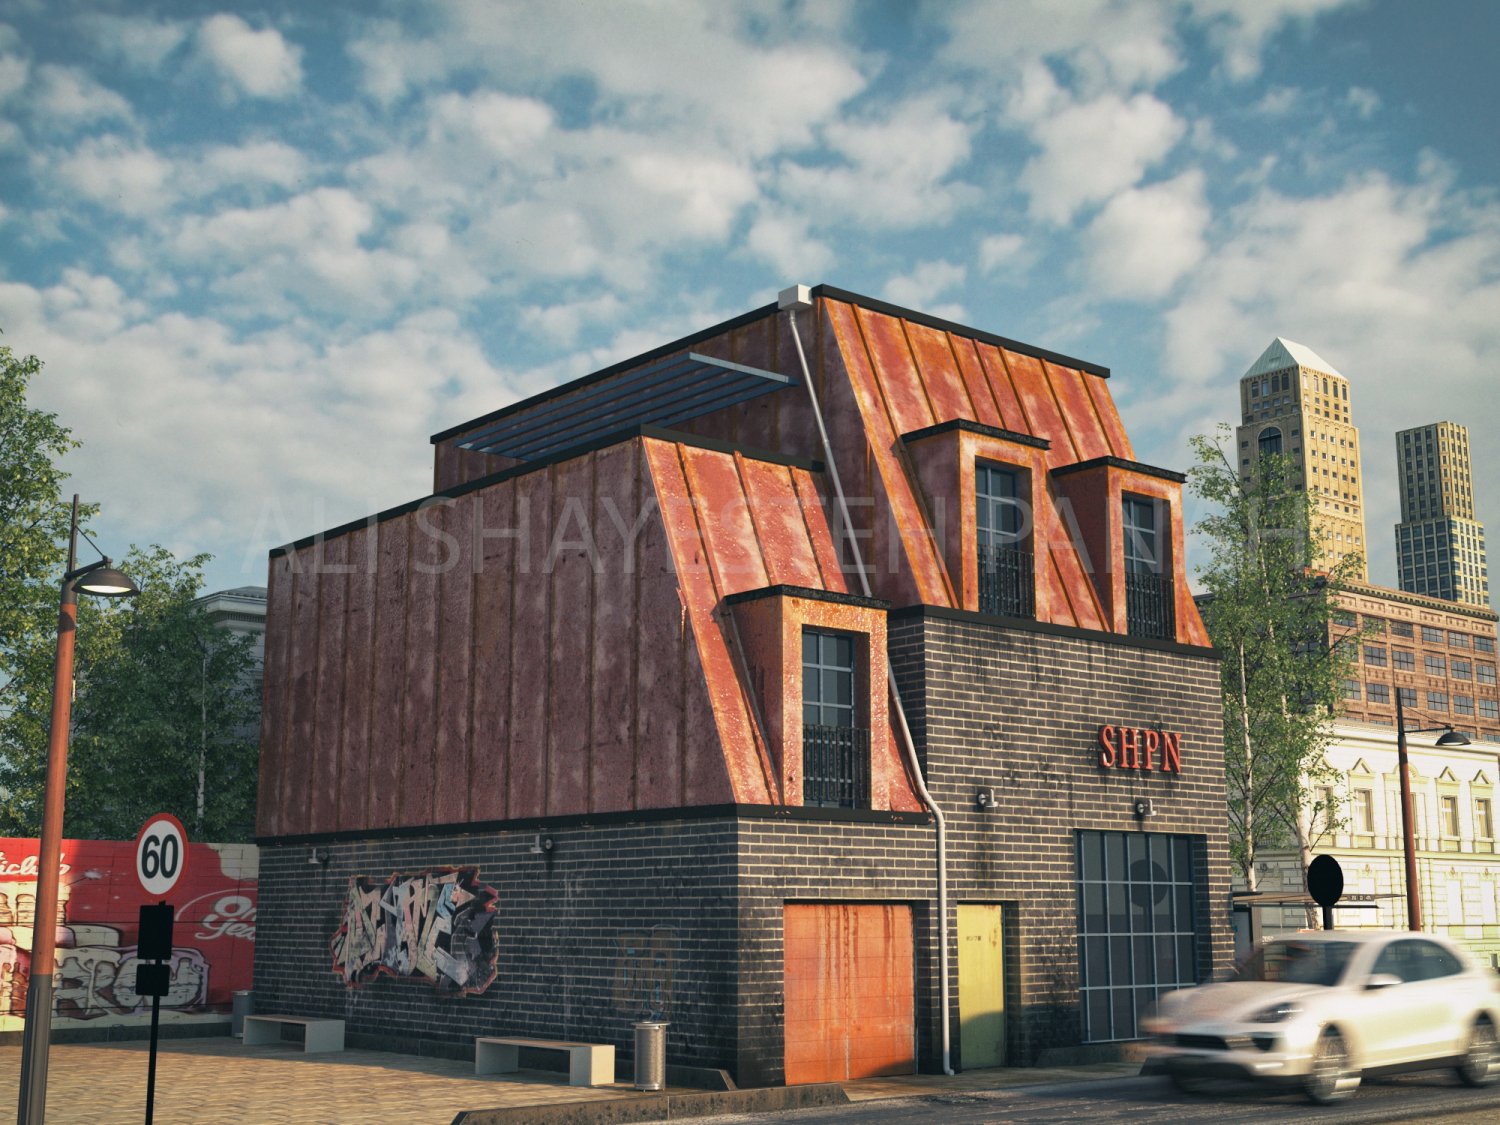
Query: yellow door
981,987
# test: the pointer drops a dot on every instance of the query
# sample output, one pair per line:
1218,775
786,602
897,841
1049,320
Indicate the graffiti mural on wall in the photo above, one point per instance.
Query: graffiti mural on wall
643,972
436,925
98,917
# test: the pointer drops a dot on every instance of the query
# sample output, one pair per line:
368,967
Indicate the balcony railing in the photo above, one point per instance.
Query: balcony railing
835,766
1149,602
1005,582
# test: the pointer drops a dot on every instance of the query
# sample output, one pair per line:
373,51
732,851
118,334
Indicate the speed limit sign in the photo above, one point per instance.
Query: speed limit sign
161,854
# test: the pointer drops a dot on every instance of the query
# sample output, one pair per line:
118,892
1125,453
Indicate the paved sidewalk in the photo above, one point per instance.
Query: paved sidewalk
218,1080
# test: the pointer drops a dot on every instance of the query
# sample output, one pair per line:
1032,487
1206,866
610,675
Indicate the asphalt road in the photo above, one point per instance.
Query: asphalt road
1433,1096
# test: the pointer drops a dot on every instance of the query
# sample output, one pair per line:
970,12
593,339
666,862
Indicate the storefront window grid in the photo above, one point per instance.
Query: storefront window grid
1136,932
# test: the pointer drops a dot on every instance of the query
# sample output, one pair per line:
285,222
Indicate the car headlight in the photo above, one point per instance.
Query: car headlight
1277,1013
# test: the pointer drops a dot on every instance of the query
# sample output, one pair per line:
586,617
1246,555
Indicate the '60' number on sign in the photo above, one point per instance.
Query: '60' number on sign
160,854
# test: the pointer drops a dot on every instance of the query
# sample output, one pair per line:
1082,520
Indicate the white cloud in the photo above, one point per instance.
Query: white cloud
117,174
140,42
911,153
925,284
258,63
1106,44
562,321
1241,29
997,250
1145,239
66,95
14,71
1092,150
268,162
784,243
1364,101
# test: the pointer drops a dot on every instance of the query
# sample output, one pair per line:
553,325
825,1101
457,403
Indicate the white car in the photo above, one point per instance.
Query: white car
1322,1009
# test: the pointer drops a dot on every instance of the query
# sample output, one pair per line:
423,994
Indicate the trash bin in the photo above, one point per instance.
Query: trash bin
650,1055
244,1005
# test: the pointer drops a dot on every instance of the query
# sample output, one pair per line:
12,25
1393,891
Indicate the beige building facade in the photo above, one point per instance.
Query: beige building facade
1439,544
1294,402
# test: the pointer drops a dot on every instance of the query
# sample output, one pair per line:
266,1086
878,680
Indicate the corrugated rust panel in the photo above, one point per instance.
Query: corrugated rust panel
528,693
1034,391
617,516
981,395
662,638
296,779
359,664
849,1008
898,381
275,697
923,578
723,517
452,782
776,508
759,421
1078,411
1013,415
1109,418
419,716
333,582
493,633
819,520
387,748
676,472
570,696
1076,587
939,373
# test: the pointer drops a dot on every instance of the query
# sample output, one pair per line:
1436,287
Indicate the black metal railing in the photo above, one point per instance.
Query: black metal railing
1149,600
1005,582
835,766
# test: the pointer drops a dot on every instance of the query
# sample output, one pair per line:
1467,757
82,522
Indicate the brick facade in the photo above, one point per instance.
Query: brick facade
679,916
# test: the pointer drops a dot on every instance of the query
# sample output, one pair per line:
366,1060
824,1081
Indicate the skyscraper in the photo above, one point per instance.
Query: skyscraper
1439,543
1293,401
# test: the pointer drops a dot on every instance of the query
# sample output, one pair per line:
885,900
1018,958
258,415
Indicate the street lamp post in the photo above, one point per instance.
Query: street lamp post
100,578
1450,737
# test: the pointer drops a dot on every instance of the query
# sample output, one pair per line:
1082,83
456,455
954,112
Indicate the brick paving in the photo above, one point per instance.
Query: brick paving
214,1081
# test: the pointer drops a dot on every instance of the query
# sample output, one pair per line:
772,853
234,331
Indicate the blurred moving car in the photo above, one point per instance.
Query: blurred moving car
1323,1009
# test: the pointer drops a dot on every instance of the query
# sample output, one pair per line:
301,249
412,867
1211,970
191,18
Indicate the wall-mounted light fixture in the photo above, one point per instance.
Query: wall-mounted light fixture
1144,808
318,856
984,798
542,845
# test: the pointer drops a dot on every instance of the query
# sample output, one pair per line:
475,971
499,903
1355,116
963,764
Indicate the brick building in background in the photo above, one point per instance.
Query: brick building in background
609,727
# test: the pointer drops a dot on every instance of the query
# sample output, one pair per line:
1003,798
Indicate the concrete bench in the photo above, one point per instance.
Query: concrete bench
317,1034
589,1064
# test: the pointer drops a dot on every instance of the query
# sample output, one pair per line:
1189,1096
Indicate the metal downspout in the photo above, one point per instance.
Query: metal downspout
791,300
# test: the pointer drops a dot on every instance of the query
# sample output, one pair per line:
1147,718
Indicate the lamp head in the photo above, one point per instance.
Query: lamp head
1453,737
107,582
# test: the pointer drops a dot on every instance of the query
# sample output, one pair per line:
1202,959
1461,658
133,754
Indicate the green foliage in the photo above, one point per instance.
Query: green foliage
163,696
1269,612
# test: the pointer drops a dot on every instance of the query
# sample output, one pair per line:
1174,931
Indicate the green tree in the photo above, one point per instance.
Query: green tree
167,710
165,705
1269,612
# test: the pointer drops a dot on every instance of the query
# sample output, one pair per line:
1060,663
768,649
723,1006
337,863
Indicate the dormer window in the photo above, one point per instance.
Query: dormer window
1000,530
1148,582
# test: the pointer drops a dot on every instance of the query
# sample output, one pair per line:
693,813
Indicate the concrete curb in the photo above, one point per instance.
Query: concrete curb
661,1107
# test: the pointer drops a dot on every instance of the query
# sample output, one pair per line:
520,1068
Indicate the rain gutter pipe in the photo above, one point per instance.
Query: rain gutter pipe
792,299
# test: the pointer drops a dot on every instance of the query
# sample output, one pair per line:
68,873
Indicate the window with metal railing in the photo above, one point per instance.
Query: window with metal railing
1006,583
1149,589
835,751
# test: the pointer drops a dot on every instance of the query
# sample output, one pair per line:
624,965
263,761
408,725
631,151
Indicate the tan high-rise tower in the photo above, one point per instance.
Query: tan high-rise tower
1292,401
1439,543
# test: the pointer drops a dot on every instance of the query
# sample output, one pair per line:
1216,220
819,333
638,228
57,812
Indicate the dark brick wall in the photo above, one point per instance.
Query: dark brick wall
1015,710
1019,711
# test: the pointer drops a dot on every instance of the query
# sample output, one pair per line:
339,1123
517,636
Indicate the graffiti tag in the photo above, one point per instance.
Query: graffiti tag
436,925
643,972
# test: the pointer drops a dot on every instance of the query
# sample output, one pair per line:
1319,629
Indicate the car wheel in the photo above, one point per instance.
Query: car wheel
1481,1062
1185,1083
1334,1076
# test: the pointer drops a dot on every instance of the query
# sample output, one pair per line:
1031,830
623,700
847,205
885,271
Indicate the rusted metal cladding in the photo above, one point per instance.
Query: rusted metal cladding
524,649
849,991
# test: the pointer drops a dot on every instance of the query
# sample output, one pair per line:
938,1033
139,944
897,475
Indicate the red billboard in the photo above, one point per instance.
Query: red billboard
213,940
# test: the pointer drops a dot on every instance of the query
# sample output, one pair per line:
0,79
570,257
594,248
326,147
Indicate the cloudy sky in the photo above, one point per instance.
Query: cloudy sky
266,250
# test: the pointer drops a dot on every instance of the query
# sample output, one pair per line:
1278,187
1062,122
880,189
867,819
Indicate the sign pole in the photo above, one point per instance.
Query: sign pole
151,1067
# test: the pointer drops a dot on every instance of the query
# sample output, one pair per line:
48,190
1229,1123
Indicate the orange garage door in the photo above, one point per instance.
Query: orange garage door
849,1010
